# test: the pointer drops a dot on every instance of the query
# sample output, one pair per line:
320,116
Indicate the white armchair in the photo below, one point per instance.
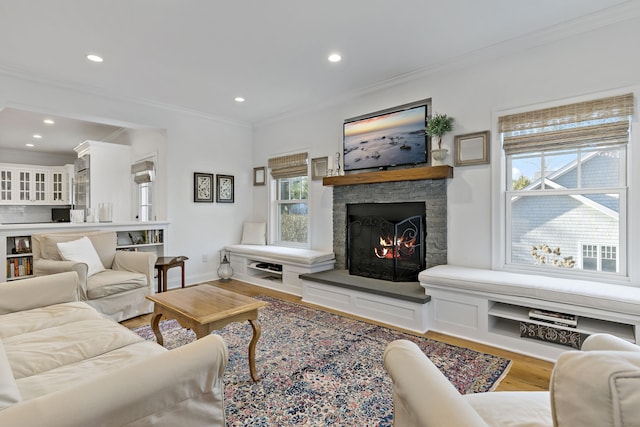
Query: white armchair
119,291
595,387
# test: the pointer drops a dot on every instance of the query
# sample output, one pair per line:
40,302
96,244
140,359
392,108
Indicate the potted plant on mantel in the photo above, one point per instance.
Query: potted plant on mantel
438,125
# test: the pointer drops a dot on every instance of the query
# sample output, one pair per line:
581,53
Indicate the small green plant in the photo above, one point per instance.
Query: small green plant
438,125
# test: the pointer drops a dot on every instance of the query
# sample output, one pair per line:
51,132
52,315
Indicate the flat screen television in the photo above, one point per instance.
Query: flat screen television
392,137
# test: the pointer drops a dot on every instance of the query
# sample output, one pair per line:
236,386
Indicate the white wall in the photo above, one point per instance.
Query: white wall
193,144
472,93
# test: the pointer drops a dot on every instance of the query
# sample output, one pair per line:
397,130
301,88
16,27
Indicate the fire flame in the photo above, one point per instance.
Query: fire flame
388,250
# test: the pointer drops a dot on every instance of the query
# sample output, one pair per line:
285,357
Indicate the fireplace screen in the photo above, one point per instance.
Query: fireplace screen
384,249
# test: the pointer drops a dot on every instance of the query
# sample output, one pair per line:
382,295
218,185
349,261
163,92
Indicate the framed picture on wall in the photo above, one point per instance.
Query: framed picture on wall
259,176
202,187
22,245
224,186
471,149
319,167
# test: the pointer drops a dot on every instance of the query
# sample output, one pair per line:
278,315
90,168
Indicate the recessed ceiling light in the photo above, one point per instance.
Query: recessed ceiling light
334,57
239,99
36,136
94,58
48,121
29,145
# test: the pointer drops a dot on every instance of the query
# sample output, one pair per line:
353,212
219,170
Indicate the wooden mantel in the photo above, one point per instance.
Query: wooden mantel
413,174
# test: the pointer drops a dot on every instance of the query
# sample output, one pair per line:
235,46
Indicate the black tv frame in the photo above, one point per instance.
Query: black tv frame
423,102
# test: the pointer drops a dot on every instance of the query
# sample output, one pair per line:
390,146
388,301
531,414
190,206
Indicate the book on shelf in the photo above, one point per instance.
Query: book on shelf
555,317
18,267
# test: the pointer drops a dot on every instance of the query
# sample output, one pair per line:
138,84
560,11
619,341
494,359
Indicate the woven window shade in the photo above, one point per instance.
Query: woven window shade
595,135
288,166
614,106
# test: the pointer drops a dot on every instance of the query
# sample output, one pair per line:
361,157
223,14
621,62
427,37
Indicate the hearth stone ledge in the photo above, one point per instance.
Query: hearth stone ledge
343,296
406,291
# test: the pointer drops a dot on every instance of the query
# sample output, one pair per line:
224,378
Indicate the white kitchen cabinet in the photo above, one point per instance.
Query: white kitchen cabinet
29,184
60,188
6,184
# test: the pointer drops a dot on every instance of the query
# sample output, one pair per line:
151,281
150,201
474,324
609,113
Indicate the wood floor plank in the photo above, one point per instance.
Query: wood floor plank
526,374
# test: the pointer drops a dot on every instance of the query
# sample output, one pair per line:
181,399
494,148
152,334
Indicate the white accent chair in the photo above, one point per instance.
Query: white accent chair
119,291
596,387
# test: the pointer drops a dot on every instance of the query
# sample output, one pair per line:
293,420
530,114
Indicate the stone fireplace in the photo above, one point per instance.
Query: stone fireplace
400,303
432,193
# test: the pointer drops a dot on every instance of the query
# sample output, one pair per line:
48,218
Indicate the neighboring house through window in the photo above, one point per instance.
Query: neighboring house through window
566,186
290,210
600,258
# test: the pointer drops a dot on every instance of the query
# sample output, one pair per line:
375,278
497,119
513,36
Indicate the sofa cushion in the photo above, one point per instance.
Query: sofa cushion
66,344
515,409
254,233
70,375
22,322
81,250
104,243
9,393
111,282
596,388
46,245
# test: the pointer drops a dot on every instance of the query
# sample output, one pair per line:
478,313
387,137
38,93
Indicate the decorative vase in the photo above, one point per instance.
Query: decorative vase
438,155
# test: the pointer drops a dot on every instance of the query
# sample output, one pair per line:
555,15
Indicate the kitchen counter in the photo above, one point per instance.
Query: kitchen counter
62,226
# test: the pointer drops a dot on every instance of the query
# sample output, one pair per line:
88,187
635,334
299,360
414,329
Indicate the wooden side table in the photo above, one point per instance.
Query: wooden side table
163,264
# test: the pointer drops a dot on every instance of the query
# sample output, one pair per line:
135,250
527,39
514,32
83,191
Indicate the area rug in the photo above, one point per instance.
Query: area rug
323,369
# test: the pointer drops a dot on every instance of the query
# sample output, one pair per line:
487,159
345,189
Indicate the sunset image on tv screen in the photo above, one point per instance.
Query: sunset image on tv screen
396,138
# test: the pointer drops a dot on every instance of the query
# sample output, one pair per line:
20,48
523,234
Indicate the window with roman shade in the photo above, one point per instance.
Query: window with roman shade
566,186
143,175
290,201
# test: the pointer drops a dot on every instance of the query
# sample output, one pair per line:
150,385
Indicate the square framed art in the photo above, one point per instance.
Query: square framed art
202,187
224,187
471,149
319,168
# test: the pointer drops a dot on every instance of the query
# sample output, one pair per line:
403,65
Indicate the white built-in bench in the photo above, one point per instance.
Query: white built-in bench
285,265
488,306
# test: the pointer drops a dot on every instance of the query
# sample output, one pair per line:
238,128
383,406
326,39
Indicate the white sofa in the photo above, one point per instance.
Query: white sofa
63,364
596,387
120,290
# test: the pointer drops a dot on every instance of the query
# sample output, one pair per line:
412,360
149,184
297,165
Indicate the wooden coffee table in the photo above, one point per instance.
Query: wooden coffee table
205,308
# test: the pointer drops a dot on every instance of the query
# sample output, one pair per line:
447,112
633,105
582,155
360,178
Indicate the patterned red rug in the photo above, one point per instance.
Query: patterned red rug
322,369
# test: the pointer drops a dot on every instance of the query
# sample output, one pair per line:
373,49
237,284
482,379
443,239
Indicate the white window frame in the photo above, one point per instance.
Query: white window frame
273,214
499,201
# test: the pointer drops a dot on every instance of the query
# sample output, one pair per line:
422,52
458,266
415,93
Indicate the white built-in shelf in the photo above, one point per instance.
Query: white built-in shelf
254,265
509,316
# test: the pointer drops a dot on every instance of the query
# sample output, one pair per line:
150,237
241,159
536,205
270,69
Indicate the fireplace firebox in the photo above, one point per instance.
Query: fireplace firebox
386,240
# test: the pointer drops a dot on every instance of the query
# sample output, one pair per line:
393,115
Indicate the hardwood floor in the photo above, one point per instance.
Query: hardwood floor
526,373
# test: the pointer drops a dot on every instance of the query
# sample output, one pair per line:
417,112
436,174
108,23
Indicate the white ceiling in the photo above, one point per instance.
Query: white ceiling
200,54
